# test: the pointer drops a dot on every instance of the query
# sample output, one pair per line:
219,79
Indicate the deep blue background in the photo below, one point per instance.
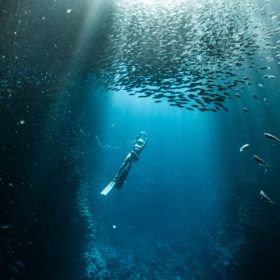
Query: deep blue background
191,207
192,196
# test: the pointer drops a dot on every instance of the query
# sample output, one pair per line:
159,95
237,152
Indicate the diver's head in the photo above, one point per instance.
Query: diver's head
138,146
139,142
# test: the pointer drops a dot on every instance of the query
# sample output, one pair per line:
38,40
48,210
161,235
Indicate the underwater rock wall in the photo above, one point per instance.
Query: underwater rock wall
39,184
41,228
96,267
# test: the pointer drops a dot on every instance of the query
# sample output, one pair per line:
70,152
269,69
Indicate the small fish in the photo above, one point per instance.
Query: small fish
244,147
5,226
265,68
264,195
266,101
261,163
246,109
269,77
259,160
272,137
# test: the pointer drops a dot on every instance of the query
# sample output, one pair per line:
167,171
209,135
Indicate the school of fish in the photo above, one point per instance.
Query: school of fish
194,55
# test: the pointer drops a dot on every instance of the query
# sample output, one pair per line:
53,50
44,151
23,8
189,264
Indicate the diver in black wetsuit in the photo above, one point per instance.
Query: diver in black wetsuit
139,144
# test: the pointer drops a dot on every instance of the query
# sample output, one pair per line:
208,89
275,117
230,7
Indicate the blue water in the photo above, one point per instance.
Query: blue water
184,209
191,207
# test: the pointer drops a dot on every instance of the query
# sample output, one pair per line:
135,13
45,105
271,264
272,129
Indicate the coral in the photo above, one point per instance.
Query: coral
96,268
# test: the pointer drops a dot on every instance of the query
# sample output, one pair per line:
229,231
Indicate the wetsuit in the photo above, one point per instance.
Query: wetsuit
133,156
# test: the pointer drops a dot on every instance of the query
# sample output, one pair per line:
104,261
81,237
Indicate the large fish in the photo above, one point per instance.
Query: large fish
272,137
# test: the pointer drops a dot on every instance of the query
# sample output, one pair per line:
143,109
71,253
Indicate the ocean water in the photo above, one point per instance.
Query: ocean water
80,80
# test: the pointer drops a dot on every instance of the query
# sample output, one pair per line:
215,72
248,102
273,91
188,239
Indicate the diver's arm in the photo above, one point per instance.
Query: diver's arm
141,134
145,142
138,136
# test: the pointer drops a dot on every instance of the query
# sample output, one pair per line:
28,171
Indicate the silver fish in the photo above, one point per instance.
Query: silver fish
269,77
244,147
265,196
259,160
272,137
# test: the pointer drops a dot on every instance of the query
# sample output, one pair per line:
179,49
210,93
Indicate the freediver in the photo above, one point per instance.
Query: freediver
140,143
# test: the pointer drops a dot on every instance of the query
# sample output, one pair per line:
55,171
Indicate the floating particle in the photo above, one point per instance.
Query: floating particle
22,122
114,226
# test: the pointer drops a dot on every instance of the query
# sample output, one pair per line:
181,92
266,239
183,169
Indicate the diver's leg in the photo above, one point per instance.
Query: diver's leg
117,182
121,179
108,188
121,176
